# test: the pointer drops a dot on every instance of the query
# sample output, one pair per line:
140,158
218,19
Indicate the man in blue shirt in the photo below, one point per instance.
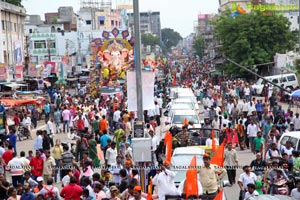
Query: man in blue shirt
103,139
13,139
259,109
47,111
27,195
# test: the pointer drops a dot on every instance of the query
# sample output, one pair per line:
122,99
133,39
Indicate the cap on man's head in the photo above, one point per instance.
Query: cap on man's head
206,156
137,188
39,179
113,188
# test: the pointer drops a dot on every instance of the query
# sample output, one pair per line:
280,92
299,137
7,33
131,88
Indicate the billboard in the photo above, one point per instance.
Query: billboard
3,72
18,53
32,70
19,73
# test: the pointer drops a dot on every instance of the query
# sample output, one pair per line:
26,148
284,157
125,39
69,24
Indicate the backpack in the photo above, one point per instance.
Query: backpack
50,195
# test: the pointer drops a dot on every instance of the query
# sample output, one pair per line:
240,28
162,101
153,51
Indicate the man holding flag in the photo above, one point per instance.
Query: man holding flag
210,174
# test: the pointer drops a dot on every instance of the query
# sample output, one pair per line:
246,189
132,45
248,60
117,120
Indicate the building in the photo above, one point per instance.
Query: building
65,16
149,23
12,35
205,30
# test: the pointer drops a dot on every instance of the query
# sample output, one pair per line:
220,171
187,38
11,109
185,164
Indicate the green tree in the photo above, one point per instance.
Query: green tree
198,46
170,38
15,2
149,39
253,38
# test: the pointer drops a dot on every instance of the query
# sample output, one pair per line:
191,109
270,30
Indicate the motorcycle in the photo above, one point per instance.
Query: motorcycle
23,133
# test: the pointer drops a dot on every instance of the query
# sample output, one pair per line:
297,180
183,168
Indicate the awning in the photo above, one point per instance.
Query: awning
14,102
15,85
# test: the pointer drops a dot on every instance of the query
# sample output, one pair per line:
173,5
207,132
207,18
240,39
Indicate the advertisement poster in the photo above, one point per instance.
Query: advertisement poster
19,73
32,71
50,67
3,72
18,56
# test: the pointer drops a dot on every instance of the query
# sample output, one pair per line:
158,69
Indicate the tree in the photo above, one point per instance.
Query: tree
15,2
198,46
149,39
253,38
170,37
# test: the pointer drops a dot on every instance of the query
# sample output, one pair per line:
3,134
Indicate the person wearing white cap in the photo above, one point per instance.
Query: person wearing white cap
40,185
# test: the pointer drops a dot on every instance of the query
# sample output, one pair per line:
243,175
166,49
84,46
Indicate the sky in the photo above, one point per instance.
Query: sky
179,15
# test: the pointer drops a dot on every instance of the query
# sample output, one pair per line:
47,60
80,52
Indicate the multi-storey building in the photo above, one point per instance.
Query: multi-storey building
11,34
149,23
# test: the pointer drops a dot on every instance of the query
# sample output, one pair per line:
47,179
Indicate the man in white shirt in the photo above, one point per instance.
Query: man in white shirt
155,143
252,133
111,154
15,167
208,142
295,193
160,103
246,178
115,169
164,180
116,116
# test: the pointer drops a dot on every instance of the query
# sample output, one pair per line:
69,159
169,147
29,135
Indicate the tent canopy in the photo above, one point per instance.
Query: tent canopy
19,102
296,93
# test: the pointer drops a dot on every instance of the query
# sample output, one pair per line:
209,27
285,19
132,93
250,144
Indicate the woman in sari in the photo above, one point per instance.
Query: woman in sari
92,146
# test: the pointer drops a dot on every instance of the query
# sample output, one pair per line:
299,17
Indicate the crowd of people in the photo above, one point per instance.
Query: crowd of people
100,164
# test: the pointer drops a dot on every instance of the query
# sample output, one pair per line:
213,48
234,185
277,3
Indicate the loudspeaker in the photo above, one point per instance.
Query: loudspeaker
141,148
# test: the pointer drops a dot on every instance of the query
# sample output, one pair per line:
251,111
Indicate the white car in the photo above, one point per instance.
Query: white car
178,116
181,159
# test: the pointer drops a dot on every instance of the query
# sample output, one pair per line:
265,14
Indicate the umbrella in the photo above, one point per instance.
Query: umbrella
296,93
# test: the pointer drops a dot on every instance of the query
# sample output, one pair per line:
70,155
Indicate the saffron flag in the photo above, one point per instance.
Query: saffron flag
150,186
191,181
185,122
218,158
168,143
214,146
220,195
174,81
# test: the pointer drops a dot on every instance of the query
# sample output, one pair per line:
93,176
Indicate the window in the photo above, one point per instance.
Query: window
88,22
275,80
293,141
40,44
51,44
15,27
112,22
3,25
291,78
284,140
101,22
30,30
283,80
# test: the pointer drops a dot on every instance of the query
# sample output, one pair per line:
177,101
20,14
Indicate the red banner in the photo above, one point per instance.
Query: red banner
19,73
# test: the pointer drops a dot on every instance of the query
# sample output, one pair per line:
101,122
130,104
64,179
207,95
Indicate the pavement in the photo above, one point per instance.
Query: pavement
245,157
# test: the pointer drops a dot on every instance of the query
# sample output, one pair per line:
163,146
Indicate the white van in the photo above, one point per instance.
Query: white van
293,137
189,95
289,81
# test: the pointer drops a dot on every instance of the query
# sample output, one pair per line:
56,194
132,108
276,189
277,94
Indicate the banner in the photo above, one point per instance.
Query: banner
148,79
49,67
19,73
32,71
3,72
18,56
